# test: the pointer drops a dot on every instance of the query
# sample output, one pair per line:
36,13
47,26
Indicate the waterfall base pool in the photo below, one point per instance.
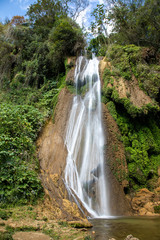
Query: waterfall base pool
143,228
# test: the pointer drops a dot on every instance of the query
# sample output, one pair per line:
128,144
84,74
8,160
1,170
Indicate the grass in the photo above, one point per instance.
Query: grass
31,219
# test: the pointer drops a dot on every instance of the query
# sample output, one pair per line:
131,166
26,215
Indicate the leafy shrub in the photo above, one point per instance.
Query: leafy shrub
129,60
141,138
18,130
4,215
157,209
5,236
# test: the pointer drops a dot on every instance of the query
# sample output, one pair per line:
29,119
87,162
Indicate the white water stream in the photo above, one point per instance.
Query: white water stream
84,173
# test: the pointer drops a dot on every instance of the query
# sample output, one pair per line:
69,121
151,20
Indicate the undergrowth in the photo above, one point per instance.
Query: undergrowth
139,127
141,138
132,60
23,112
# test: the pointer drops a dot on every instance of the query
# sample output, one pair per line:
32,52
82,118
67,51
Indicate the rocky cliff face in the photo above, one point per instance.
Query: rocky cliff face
126,117
116,166
126,89
52,155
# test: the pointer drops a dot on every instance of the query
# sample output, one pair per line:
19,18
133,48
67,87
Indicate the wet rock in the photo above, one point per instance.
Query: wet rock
90,186
97,171
80,224
81,80
83,64
94,78
130,237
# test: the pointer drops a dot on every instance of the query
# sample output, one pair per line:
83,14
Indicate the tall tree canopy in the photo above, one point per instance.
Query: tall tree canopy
35,51
134,21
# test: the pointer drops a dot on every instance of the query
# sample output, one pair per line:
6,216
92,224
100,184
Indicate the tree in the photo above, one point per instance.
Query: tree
17,20
98,45
66,35
65,39
75,7
137,22
44,13
134,21
99,26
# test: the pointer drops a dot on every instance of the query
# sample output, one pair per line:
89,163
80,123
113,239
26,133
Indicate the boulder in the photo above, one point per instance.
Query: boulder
141,198
130,237
149,207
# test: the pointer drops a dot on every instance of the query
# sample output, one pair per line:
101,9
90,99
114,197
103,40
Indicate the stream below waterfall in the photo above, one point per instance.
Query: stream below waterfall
143,228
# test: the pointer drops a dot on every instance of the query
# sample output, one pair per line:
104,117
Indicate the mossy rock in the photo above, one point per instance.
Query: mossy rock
80,224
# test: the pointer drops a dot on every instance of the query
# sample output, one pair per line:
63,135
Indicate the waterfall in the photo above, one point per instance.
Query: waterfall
85,171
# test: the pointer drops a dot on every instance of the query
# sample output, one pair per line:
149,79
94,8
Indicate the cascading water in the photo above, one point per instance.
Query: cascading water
84,173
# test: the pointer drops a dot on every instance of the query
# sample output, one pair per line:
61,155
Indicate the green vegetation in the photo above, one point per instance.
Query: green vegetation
132,60
141,138
5,236
32,73
157,209
33,67
133,22
5,215
139,126
63,223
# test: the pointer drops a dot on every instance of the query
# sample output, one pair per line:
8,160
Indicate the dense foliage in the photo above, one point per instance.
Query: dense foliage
132,22
32,72
139,127
141,62
132,48
18,130
141,138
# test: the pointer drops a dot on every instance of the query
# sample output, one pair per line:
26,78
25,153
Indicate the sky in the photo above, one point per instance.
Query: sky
10,8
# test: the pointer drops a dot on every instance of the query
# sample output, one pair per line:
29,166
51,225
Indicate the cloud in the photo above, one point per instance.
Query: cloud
24,4
84,19
101,1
